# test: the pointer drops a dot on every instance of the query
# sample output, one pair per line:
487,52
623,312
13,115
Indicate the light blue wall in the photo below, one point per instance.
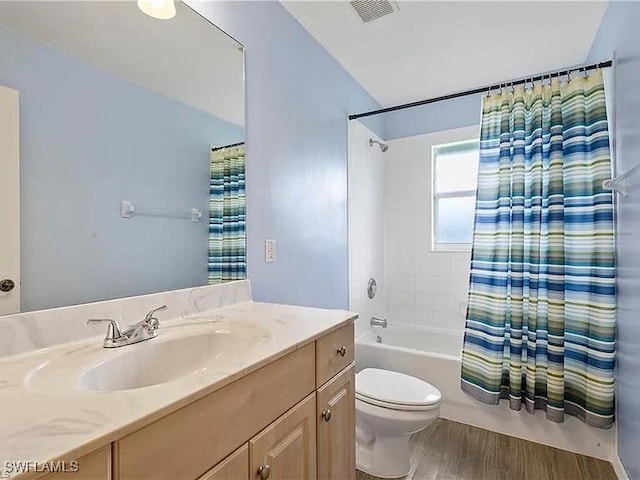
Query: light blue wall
620,32
435,117
88,140
298,99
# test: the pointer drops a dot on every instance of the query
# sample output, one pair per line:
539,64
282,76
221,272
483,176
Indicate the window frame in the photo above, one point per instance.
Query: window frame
435,198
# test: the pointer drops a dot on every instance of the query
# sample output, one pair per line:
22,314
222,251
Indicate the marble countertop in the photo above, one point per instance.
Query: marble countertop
53,420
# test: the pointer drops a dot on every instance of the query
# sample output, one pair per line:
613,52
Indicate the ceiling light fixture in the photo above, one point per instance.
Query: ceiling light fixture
161,9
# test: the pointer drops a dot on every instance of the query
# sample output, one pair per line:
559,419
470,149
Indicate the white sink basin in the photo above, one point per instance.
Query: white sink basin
148,363
168,357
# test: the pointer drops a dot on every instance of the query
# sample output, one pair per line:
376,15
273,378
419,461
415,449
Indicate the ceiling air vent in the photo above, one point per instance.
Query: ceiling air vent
373,9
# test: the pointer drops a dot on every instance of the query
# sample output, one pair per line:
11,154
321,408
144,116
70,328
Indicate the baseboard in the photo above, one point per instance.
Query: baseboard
618,467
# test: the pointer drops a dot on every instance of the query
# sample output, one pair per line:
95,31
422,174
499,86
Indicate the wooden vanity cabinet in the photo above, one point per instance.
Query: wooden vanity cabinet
294,418
189,442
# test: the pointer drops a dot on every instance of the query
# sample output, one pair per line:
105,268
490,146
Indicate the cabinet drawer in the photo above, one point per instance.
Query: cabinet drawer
185,444
329,353
234,467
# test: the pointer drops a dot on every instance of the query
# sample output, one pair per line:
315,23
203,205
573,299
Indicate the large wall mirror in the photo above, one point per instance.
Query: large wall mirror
129,131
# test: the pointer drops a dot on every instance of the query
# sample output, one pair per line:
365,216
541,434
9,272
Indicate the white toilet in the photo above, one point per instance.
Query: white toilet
389,407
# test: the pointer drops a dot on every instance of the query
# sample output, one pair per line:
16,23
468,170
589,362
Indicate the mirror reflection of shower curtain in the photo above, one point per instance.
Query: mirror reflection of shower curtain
227,206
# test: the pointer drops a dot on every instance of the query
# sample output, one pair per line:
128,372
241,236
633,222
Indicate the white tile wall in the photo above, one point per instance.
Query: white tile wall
422,287
366,224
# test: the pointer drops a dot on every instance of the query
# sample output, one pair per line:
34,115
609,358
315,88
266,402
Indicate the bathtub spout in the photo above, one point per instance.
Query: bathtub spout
379,322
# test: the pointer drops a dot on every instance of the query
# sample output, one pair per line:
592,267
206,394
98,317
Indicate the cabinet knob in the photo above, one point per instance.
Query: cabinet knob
326,415
342,351
264,471
7,285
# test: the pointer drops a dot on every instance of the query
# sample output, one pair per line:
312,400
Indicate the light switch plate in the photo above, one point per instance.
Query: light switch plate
269,251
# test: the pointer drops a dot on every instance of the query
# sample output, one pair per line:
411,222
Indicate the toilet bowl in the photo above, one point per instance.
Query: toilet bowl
389,407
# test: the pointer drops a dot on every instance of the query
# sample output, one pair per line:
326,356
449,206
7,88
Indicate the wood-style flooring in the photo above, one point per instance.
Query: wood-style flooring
449,450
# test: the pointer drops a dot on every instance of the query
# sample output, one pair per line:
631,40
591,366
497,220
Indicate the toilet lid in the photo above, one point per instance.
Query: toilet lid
395,388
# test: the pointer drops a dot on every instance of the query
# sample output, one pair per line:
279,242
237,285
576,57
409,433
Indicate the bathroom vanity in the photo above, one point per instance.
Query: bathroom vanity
289,419
276,401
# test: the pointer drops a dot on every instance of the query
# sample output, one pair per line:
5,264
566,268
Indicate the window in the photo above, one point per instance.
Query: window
455,176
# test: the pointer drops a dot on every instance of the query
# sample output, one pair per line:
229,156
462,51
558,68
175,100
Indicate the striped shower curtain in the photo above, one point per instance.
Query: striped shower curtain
540,325
227,238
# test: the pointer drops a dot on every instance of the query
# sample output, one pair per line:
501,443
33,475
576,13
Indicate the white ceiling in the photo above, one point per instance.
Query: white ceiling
428,49
185,58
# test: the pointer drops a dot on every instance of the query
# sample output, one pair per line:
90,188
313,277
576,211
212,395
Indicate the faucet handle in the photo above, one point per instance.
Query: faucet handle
150,316
113,332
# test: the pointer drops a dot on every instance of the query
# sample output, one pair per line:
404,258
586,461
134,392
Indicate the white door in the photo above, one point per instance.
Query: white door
9,202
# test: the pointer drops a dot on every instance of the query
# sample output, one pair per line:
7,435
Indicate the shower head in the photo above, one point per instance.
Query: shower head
383,146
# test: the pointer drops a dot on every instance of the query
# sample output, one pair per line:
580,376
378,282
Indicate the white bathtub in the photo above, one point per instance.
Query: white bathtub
416,341
434,355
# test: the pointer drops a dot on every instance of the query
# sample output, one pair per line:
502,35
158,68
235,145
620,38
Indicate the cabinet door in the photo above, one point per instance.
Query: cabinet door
286,449
336,427
234,467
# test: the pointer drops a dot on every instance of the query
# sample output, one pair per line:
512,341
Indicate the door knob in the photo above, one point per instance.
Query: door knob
264,471
342,351
6,285
326,415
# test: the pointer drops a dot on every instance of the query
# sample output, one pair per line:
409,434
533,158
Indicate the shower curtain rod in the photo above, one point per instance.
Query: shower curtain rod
215,149
535,78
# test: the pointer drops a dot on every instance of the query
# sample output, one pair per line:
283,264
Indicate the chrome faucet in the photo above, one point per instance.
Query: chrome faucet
145,329
379,322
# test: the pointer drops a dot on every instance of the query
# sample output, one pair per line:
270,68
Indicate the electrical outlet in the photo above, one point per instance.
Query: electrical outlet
269,251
